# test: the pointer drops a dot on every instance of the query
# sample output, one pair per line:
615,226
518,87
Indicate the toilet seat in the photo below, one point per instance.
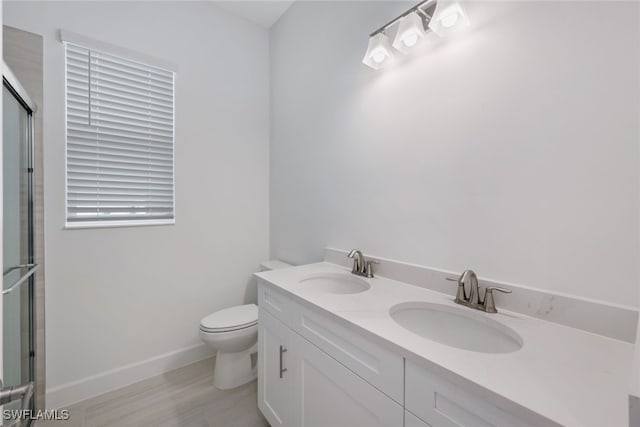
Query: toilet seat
219,330
230,319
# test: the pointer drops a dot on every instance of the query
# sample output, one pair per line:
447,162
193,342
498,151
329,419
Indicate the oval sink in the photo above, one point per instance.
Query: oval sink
336,283
456,327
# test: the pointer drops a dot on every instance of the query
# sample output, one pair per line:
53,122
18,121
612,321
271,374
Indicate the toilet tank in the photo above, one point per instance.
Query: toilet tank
273,264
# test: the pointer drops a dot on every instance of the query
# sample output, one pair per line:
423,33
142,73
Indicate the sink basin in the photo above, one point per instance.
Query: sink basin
336,283
456,327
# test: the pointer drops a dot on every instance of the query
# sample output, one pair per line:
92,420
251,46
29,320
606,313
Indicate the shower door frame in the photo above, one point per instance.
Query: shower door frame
13,85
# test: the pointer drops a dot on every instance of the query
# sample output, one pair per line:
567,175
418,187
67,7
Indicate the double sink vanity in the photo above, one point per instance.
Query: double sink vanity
342,349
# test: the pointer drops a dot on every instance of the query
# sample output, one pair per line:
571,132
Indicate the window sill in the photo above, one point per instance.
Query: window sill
115,224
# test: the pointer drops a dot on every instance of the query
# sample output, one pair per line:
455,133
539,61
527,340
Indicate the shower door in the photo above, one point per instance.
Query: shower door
18,263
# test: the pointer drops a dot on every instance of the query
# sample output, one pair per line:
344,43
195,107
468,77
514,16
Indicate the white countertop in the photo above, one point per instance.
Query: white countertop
566,375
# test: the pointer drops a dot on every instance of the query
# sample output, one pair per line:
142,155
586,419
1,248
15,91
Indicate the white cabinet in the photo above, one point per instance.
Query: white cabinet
443,404
299,385
276,304
313,371
372,362
411,420
275,381
327,394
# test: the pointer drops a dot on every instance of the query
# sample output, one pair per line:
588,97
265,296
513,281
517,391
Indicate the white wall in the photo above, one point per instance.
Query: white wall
511,149
123,295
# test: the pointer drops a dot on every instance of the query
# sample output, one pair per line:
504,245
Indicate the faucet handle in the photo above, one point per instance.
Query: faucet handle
489,303
499,289
461,295
368,269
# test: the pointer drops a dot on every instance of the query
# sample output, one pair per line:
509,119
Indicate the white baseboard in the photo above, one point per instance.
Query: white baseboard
73,392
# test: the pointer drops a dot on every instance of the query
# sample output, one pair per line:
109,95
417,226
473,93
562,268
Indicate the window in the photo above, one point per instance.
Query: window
120,140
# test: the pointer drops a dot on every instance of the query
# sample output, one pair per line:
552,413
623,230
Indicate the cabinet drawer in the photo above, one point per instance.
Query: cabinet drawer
375,364
275,303
443,404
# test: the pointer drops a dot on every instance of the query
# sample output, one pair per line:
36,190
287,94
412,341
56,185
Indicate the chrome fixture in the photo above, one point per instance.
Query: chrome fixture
32,269
16,87
283,350
11,393
361,266
487,304
440,16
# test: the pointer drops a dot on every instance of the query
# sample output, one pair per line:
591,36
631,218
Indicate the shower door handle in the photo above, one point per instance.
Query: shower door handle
10,393
22,392
15,267
33,268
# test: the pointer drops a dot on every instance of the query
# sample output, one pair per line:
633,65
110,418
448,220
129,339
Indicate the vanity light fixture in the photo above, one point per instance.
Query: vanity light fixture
439,16
448,16
410,31
378,52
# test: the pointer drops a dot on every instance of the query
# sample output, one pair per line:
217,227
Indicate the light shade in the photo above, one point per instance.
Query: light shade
448,17
378,51
410,31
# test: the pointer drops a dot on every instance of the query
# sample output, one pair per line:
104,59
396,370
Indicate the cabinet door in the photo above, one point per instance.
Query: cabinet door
329,395
411,420
274,378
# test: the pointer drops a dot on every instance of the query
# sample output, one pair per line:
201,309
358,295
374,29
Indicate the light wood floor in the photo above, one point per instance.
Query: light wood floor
181,398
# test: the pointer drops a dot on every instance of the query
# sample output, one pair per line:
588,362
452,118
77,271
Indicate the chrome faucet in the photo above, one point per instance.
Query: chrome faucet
361,266
487,304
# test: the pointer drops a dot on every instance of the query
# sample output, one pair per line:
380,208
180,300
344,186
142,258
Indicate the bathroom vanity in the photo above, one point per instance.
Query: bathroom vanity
340,350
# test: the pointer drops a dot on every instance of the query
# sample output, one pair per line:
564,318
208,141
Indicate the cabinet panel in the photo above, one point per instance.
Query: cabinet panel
275,303
411,420
329,395
274,387
374,363
443,404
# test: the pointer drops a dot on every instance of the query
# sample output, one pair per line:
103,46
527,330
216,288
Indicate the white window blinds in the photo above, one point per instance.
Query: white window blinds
120,139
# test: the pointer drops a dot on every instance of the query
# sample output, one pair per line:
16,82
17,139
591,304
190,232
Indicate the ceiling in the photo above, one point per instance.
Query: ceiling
264,13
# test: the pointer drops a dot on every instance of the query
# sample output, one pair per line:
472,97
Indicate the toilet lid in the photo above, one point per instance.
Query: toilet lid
231,318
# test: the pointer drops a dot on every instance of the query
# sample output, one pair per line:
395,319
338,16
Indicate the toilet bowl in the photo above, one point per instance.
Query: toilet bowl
233,333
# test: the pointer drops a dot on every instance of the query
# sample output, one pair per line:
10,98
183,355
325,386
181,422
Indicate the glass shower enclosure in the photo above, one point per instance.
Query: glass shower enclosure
18,250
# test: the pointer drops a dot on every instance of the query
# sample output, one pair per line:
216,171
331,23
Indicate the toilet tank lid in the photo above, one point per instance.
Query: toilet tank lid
231,317
273,264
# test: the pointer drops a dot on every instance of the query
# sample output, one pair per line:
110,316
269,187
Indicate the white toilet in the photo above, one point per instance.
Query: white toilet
233,332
